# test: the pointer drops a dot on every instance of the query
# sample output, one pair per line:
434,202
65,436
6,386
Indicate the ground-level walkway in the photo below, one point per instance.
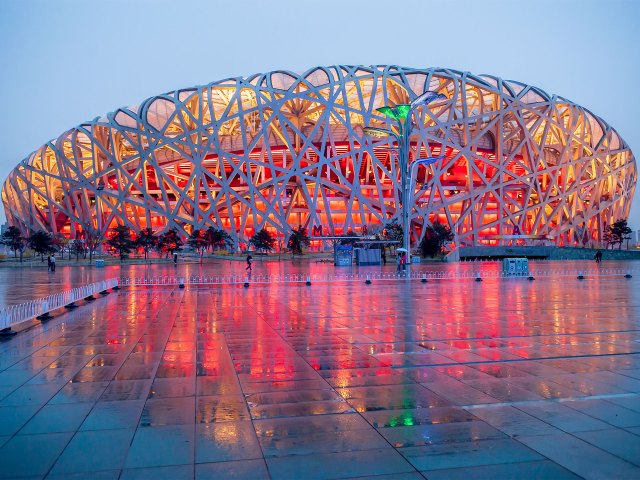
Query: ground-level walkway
505,378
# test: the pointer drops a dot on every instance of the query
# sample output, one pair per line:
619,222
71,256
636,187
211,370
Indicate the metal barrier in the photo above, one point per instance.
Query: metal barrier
15,314
369,277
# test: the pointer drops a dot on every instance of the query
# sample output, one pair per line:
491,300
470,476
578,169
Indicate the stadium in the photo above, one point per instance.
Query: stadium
281,150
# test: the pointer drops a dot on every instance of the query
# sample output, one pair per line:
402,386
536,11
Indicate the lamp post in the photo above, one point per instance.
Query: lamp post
402,115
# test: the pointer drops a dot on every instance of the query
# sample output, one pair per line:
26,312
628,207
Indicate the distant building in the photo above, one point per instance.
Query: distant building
280,149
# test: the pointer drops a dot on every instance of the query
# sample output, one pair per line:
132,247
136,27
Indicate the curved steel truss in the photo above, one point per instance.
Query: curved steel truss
279,150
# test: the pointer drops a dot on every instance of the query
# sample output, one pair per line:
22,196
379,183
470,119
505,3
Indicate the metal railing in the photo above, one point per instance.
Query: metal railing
362,277
16,314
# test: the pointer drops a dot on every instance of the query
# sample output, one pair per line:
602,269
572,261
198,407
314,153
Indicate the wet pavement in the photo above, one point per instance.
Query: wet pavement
504,378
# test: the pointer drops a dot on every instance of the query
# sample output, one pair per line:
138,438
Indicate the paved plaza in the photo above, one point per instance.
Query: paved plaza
500,379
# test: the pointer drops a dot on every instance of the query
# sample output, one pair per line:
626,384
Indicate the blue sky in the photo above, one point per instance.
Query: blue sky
66,61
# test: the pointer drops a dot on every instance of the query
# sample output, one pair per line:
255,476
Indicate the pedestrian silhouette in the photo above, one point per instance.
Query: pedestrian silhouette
249,267
598,256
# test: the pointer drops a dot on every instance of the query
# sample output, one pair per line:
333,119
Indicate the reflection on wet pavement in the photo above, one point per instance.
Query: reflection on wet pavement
406,380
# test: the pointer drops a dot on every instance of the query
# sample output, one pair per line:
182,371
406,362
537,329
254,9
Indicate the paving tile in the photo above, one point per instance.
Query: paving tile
26,455
503,390
238,470
300,409
113,415
459,393
629,402
168,411
339,465
79,392
31,395
161,446
619,380
623,444
457,432
607,412
393,476
95,374
126,390
417,416
513,422
226,441
387,397
14,417
221,386
221,409
311,443
57,418
176,472
54,375
296,426
94,451
468,454
634,430
103,475
580,457
135,372
16,377
561,416
539,470
292,396
285,386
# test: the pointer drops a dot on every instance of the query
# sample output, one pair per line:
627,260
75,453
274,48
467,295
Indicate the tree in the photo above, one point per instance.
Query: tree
77,247
619,232
60,243
393,232
92,239
435,236
121,241
13,239
607,238
349,241
146,240
169,242
297,240
198,241
41,242
263,240
217,238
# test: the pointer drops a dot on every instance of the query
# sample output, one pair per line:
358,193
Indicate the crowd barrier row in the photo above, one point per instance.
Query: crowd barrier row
16,314
361,277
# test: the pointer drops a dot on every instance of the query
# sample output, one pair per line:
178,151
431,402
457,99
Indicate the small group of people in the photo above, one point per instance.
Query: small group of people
598,257
51,263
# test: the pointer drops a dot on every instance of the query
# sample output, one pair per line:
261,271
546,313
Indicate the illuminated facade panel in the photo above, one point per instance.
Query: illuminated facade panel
279,150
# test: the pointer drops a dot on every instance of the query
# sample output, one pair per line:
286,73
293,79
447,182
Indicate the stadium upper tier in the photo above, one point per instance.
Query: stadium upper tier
280,149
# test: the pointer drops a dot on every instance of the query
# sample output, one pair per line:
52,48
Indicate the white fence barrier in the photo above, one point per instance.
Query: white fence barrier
359,277
15,314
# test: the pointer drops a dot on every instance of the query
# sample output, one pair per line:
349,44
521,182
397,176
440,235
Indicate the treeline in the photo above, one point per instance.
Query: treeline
122,242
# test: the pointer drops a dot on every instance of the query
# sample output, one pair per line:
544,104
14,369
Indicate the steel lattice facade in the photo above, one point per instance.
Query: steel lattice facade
280,150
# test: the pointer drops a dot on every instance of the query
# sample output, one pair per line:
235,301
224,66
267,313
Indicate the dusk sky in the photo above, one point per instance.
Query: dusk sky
67,61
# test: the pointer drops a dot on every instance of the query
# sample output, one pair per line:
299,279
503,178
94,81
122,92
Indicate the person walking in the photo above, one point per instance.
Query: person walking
249,267
598,257
384,256
53,263
399,262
